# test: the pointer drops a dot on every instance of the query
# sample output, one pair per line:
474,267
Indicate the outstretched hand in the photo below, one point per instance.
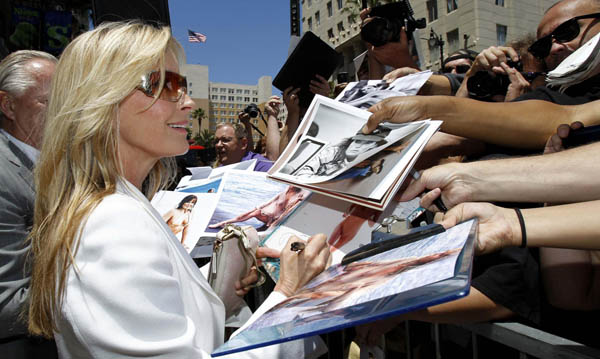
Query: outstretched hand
555,142
399,109
498,227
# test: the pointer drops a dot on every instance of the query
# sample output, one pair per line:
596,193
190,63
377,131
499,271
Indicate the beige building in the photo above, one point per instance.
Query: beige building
472,24
197,77
227,100
222,102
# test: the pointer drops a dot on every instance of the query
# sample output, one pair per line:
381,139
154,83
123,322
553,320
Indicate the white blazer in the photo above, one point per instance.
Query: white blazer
135,292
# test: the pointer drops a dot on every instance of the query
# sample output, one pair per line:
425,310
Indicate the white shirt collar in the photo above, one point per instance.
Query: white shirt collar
31,152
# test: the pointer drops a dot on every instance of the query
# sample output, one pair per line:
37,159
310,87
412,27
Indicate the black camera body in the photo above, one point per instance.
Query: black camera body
484,84
252,110
387,22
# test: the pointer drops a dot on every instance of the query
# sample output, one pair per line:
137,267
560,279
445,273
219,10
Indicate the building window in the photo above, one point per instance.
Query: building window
351,19
453,43
500,3
340,26
330,33
501,31
340,4
254,99
254,92
223,98
246,92
231,98
238,98
190,84
190,93
214,97
223,90
238,91
329,9
230,91
310,23
309,2
246,99
432,10
451,5
318,18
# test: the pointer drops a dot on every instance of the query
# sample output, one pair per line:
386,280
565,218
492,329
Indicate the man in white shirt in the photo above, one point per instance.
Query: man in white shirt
24,87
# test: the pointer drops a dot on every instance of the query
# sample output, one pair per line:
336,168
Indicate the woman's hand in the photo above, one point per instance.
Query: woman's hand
298,268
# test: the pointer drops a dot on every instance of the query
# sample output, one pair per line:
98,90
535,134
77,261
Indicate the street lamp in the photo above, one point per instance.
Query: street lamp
436,40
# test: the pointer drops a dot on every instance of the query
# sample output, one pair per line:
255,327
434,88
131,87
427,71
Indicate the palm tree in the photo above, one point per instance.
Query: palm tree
198,114
205,138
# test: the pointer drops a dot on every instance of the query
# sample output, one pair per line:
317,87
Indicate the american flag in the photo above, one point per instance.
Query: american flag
195,36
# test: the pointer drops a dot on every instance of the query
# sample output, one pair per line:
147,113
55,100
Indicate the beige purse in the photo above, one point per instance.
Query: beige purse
234,253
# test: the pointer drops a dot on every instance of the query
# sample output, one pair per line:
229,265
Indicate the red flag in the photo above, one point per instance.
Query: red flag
196,36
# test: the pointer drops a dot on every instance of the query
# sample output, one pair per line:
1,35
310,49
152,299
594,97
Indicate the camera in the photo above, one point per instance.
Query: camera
484,84
387,22
252,110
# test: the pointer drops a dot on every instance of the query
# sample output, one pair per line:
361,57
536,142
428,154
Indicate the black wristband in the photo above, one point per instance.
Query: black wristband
523,230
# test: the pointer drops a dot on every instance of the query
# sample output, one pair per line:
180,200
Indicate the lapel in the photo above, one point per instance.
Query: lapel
22,163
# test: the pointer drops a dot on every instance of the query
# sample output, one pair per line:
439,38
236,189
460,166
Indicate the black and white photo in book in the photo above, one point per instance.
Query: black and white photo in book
339,143
366,93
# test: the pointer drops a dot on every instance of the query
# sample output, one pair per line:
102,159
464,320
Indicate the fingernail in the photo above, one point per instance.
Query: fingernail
365,130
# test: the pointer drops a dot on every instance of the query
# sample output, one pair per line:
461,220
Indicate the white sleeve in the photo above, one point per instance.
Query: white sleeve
124,300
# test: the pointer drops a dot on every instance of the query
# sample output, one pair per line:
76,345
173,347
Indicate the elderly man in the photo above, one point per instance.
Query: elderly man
231,144
24,86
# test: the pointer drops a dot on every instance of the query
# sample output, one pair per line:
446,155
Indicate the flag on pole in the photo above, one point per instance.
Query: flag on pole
196,36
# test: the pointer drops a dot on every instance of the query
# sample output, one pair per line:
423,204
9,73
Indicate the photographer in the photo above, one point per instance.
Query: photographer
489,67
394,51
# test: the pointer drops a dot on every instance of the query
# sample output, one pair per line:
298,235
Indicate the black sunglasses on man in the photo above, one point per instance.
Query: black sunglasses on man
564,32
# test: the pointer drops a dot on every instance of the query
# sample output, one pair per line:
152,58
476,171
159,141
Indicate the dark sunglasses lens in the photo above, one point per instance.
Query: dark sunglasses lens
566,31
462,69
541,48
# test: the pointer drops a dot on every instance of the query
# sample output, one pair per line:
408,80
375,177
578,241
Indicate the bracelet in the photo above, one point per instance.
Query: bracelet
523,230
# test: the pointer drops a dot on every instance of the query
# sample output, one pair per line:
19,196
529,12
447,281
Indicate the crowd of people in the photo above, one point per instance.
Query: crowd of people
90,269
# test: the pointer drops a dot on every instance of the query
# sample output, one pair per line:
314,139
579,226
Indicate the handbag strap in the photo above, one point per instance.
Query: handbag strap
231,231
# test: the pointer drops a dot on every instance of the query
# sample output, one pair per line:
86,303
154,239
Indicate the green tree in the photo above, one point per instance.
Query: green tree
198,114
205,138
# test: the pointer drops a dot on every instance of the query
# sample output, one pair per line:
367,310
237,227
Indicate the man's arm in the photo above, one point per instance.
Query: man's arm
273,135
563,177
475,307
525,124
292,103
245,120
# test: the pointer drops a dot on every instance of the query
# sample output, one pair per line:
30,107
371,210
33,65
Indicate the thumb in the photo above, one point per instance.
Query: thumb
374,120
264,252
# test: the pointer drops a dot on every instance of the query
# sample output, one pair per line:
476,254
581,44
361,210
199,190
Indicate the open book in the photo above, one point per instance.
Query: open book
419,273
329,154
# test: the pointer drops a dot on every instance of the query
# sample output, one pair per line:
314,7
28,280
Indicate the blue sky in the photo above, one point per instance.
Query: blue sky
245,39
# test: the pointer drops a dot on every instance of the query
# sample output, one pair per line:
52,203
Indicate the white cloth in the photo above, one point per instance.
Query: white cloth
135,292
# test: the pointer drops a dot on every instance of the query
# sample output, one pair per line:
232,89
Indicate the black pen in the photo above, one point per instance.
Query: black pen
438,201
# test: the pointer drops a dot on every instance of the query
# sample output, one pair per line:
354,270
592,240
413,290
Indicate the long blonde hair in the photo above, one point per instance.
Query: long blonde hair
79,162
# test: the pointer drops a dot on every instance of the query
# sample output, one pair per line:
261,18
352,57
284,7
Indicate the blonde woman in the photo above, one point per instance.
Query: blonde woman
109,277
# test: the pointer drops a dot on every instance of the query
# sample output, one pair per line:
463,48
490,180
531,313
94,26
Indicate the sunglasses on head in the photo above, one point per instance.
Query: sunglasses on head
460,69
564,32
174,88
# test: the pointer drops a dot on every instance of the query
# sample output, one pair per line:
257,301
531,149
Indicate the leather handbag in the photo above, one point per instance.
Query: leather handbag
234,253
